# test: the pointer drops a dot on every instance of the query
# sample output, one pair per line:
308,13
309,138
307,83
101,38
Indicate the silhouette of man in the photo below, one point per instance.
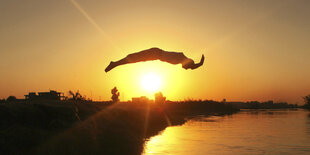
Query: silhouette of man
157,54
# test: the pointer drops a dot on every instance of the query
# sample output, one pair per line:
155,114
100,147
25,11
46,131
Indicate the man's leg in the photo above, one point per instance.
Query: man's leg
145,55
115,64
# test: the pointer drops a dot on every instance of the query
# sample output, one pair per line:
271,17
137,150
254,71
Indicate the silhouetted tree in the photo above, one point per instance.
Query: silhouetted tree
115,95
76,96
307,101
11,98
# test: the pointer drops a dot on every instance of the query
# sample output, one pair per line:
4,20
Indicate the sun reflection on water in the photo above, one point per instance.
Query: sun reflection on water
248,132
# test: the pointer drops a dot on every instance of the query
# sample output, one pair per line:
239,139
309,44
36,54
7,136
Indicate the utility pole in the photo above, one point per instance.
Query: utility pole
91,95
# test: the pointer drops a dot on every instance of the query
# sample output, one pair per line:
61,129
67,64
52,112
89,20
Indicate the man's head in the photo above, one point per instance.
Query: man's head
188,63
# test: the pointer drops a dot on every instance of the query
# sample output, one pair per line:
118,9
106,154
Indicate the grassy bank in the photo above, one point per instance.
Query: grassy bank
92,128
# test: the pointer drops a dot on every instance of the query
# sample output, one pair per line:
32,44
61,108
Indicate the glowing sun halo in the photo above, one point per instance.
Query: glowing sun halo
151,82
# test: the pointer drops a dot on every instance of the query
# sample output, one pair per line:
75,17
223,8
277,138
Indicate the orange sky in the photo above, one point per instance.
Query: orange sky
255,50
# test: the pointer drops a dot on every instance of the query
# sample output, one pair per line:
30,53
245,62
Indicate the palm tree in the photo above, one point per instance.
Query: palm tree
76,96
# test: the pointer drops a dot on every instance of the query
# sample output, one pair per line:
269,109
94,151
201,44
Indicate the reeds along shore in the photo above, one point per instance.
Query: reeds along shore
70,127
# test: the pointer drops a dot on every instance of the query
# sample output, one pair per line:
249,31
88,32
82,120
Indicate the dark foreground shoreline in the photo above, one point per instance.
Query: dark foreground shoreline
69,127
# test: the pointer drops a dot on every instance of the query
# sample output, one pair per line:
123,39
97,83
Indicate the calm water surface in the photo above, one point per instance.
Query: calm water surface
247,132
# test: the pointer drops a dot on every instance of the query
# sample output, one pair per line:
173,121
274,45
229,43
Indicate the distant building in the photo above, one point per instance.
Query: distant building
51,95
159,98
142,99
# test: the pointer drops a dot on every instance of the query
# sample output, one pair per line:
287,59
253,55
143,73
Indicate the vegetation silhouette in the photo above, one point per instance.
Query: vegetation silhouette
307,102
262,105
115,95
11,98
79,126
52,126
76,96
157,54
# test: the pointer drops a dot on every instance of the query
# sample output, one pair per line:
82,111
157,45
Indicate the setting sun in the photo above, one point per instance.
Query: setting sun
151,82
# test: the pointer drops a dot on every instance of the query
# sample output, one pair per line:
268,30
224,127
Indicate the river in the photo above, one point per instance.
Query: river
246,132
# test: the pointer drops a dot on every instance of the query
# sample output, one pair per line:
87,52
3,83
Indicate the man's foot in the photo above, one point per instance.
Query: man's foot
111,66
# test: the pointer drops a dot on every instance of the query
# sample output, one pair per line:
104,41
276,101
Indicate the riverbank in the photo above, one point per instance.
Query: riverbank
92,128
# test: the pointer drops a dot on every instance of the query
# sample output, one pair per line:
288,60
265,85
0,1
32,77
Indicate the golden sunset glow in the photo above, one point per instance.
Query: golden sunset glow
69,44
151,82
152,77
